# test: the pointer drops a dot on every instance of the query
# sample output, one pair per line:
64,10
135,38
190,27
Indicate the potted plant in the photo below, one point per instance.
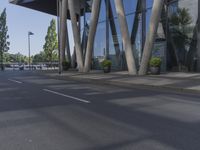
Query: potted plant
106,65
65,65
155,63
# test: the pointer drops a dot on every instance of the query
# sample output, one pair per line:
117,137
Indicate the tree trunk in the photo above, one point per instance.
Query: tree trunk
154,21
125,37
92,31
77,40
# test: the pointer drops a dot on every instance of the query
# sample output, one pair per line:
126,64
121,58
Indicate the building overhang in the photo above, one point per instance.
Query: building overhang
48,6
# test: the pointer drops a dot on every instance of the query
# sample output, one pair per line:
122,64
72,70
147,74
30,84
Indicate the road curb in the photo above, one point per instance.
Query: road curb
122,84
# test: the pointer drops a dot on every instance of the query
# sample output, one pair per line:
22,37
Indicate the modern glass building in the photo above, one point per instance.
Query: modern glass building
177,41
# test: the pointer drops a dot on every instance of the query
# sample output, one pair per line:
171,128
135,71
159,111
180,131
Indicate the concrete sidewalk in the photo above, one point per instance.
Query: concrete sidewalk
175,81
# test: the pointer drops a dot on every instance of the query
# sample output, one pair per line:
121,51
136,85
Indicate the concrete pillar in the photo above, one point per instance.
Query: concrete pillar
85,37
125,37
73,59
58,30
76,34
107,30
67,45
136,22
63,29
92,31
114,33
154,22
198,39
143,22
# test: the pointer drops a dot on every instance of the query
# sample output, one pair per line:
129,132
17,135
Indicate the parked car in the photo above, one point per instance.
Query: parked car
21,67
15,67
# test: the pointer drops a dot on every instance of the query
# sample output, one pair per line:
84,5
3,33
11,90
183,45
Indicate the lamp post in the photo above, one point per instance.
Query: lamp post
29,49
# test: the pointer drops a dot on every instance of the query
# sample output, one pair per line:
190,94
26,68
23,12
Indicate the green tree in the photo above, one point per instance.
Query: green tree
39,57
51,43
181,29
14,58
55,56
4,44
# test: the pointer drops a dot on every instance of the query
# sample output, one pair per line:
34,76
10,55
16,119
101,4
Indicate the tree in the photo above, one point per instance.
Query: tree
51,43
4,44
180,22
39,57
14,58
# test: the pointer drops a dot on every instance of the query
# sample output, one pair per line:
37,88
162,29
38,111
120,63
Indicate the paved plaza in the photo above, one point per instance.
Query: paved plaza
178,81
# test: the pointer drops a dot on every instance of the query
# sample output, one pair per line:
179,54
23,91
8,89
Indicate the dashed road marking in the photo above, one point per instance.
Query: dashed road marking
67,96
19,82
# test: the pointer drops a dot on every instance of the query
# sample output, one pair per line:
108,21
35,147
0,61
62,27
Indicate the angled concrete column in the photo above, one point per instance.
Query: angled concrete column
77,39
125,37
107,50
198,39
63,29
84,40
68,46
143,7
114,32
73,59
92,31
154,21
136,22
58,30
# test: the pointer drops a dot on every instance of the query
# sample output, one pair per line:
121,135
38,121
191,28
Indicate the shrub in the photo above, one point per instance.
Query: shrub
155,62
106,63
66,65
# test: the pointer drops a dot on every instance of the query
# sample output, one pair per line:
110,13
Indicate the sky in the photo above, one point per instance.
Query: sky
20,20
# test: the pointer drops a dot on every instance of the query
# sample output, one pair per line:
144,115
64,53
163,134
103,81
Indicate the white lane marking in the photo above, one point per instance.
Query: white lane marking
92,93
68,96
15,81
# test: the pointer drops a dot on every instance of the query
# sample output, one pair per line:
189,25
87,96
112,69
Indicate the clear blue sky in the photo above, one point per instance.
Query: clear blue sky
20,20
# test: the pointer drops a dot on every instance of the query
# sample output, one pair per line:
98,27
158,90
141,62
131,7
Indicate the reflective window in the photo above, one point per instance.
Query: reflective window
182,42
176,37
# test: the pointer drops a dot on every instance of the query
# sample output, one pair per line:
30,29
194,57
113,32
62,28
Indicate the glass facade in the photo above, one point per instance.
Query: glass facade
182,35
176,39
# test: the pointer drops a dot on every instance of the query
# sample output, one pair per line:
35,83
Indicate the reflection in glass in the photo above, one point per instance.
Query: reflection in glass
182,35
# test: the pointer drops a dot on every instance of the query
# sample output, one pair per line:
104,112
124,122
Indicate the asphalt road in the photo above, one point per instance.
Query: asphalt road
40,113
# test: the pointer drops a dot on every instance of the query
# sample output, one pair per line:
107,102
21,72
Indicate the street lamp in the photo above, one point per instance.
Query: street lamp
29,49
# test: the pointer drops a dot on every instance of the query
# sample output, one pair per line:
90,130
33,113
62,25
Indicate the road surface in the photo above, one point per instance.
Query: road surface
42,113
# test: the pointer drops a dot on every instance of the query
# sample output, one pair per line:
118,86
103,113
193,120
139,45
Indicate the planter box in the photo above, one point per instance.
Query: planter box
155,70
107,69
